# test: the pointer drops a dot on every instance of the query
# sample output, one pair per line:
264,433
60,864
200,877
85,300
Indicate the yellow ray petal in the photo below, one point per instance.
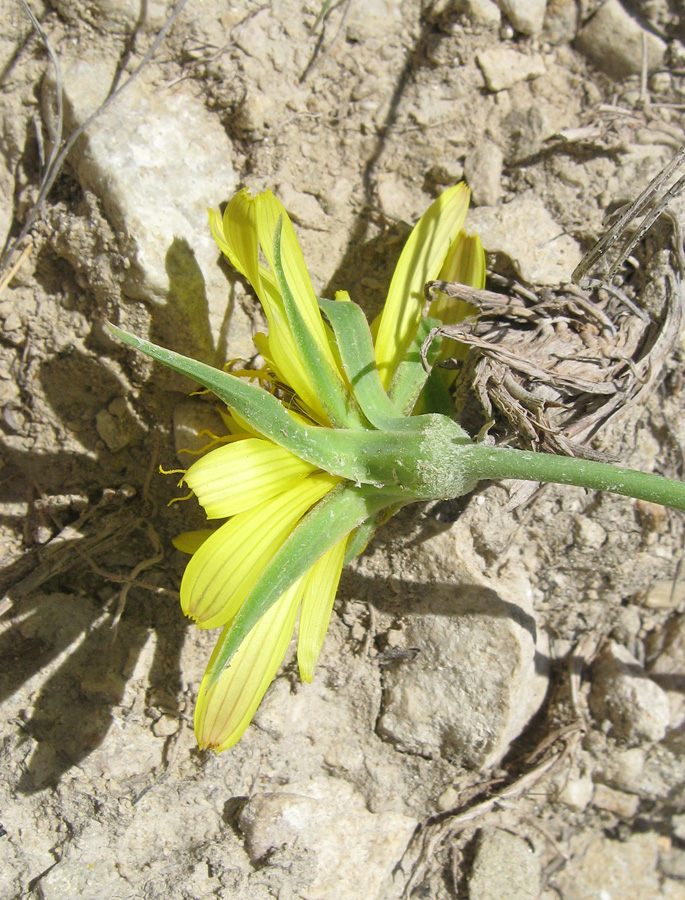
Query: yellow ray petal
217,228
238,237
465,261
320,586
465,264
421,260
191,541
247,223
268,211
240,475
223,713
224,570
285,358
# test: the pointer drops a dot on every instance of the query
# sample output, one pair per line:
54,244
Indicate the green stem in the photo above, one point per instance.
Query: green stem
500,462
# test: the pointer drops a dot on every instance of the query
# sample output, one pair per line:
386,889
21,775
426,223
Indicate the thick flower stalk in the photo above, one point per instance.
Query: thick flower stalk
352,429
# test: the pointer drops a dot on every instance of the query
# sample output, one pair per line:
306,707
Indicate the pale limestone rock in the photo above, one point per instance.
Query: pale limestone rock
503,67
665,594
621,804
304,209
525,232
606,869
627,769
6,198
157,159
561,22
475,683
397,199
612,40
483,171
577,792
504,868
482,12
326,819
118,425
667,668
110,15
588,534
672,864
623,694
527,16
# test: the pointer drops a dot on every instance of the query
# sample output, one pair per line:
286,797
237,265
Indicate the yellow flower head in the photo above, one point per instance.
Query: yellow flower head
270,492
351,429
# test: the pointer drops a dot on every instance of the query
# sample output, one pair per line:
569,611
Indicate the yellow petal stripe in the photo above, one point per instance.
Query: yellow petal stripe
421,261
224,570
223,713
320,586
238,476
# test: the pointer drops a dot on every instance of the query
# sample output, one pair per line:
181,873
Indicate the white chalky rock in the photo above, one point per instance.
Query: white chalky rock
623,694
116,16
526,234
483,171
504,868
327,818
157,159
475,683
613,41
526,16
667,668
503,67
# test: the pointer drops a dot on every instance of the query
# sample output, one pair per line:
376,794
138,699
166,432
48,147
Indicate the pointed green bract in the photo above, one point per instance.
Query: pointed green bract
221,575
356,352
340,406
225,707
329,521
420,461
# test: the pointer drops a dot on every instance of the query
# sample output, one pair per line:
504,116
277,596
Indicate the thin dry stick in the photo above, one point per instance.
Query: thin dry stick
56,137
14,268
635,209
58,159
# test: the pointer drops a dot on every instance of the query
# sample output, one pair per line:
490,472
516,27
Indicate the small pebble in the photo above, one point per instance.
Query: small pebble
625,700
577,793
483,170
612,40
12,322
504,867
665,594
165,726
527,16
660,82
588,534
623,805
504,67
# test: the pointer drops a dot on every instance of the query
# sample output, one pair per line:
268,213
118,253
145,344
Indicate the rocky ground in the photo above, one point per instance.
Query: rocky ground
499,710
